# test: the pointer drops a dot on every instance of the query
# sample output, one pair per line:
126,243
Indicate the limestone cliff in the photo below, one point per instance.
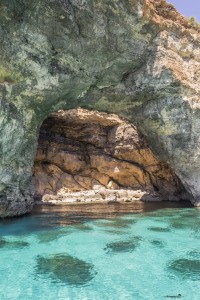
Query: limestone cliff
80,150
137,58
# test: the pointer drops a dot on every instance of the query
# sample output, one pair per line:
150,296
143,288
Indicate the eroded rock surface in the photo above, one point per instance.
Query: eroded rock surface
81,150
137,58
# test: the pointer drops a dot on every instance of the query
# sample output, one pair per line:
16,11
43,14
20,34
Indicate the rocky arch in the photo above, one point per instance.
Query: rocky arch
137,58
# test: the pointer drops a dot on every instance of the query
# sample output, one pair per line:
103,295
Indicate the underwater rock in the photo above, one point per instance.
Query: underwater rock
186,268
12,244
123,245
66,269
158,243
159,229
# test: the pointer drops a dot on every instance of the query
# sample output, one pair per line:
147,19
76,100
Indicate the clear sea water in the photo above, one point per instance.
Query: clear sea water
146,255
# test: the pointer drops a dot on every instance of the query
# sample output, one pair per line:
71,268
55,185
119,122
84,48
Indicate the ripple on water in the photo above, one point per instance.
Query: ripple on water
49,236
186,268
83,227
117,223
158,243
12,244
123,246
186,223
66,269
114,231
194,253
159,229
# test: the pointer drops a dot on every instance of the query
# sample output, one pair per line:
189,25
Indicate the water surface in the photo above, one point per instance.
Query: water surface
87,253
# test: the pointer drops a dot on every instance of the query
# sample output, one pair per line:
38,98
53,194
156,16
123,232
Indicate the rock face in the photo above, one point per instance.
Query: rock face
137,58
81,150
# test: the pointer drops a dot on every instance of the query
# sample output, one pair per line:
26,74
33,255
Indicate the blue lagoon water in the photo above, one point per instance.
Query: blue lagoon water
57,254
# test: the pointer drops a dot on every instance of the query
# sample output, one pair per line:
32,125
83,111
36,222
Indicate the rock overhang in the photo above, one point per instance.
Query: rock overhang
139,59
85,156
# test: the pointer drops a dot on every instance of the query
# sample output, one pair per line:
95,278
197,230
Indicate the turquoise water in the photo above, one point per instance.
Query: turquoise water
152,255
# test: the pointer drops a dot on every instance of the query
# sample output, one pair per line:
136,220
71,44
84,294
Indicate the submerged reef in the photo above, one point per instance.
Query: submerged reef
65,269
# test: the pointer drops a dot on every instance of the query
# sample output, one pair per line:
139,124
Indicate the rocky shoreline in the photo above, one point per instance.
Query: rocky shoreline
101,196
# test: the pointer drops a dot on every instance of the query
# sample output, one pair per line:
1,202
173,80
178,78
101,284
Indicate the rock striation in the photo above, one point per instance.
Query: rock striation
139,59
82,150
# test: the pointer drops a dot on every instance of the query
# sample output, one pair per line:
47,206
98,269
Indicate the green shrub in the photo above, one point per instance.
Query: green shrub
193,22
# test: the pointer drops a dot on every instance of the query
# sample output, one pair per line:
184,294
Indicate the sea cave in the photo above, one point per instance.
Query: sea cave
85,155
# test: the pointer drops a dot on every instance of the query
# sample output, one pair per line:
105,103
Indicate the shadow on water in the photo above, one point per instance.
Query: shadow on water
65,269
108,210
40,223
187,218
194,253
186,221
6,244
48,218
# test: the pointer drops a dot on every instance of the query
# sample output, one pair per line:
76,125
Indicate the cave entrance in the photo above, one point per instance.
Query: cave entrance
92,156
